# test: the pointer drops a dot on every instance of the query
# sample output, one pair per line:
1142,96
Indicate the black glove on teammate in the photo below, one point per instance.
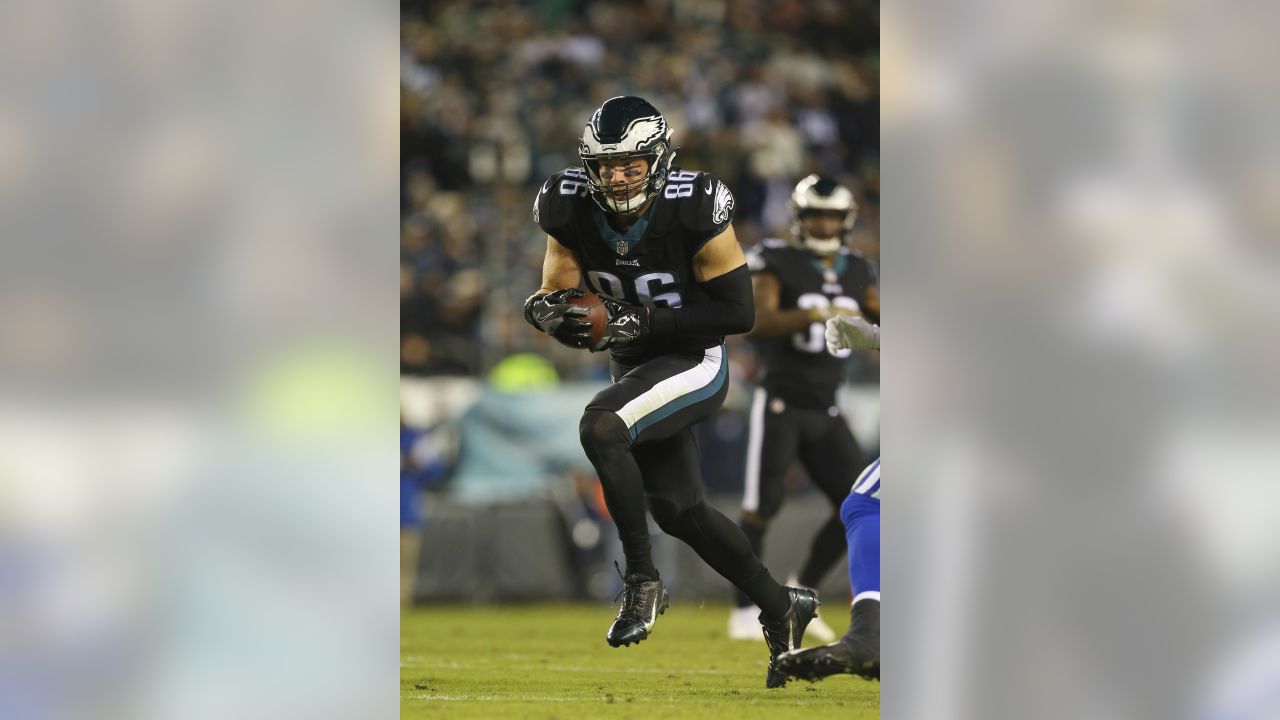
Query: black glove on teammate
627,324
552,314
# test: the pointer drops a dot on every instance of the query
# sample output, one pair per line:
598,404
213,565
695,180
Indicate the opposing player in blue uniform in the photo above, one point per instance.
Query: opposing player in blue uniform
858,652
657,243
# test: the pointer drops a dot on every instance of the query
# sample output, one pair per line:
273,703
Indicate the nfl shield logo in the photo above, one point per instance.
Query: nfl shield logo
622,248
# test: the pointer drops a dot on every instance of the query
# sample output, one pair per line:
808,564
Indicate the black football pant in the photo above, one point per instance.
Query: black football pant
820,440
637,433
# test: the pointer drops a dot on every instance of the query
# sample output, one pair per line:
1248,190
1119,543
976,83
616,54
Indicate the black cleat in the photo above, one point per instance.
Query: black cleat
643,600
849,654
785,635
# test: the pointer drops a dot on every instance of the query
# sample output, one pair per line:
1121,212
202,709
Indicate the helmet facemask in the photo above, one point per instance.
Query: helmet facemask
632,195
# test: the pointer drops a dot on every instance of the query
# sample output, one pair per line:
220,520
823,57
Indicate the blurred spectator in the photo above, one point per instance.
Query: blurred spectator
494,94
426,458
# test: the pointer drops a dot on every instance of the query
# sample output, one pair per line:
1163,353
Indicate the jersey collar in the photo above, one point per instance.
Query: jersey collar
621,243
842,261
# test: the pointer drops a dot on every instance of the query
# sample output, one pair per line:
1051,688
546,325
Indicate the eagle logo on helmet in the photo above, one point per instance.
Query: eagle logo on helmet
625,128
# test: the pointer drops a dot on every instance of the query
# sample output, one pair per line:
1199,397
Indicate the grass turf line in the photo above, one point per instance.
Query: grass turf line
551,661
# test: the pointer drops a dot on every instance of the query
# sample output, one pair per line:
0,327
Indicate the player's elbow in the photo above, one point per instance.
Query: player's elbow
767,324
740,318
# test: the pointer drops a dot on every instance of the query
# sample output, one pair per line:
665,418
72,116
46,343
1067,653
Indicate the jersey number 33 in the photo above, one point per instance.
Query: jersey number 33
814,339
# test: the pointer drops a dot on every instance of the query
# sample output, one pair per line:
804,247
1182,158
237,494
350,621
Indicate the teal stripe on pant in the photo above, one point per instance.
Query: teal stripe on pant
685,401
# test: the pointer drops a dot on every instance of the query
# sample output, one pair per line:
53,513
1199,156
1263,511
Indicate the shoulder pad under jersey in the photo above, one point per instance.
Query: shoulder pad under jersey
856,258
763,257
705,204
557,199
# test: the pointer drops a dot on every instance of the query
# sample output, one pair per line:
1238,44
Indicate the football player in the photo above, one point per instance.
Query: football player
798,285
657,243
858,652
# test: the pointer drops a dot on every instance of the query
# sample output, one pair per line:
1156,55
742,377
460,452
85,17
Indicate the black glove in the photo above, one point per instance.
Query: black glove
627,324
552,314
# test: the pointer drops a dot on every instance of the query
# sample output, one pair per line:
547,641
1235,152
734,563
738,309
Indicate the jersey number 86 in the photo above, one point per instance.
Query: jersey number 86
657,289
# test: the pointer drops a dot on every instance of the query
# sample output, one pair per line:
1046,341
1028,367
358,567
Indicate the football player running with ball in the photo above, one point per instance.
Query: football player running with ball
858,652
656,242
798,285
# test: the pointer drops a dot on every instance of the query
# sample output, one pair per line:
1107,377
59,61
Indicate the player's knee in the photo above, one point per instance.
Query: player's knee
599,429
673,519
856,506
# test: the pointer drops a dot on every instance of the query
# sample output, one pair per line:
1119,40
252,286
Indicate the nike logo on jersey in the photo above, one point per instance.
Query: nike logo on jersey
544,188
709,188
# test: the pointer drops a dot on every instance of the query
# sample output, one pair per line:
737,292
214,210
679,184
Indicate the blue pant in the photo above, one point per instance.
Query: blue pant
860,513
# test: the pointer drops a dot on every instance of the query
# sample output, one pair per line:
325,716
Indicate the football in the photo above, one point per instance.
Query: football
597,315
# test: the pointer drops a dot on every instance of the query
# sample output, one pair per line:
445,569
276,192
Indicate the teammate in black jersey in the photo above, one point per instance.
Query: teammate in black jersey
858,652
798,285
657,242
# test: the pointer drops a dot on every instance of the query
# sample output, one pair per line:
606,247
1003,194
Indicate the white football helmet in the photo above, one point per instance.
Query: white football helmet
622,128
822,193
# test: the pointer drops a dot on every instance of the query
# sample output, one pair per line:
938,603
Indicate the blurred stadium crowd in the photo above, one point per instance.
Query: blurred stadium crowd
494,95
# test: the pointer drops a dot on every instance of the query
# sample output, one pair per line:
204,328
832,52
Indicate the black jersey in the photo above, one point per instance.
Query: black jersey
652,262
797,366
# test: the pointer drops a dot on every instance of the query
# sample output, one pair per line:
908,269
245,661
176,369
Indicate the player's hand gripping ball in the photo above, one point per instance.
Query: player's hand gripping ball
573,317
626,324
595,315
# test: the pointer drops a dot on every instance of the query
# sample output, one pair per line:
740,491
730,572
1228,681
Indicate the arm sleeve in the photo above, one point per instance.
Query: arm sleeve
732,309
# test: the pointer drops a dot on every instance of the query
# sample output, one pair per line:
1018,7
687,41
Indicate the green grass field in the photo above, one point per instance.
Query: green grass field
551,661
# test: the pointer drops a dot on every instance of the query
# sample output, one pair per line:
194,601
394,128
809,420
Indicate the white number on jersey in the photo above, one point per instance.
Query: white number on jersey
679,184
648,289
574,182
814,340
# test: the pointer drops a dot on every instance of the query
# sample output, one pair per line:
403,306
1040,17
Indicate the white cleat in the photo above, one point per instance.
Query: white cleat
744,624
818,632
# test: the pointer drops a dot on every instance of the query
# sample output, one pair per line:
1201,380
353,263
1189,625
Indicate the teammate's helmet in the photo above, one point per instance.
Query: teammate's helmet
622,128
822,193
